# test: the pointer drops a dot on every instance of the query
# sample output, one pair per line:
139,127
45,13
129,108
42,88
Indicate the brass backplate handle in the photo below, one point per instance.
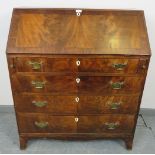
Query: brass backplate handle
119,66
35,65
117,85
41,124
112,126
39,103
114,105
38,84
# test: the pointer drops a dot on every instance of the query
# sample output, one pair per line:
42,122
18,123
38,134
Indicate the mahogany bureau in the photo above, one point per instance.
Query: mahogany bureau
77,74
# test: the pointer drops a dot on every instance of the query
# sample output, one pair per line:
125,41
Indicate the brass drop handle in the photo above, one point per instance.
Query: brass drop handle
38,84
114,105
35,65
117,85
77,80
77,99
78,63
112,126
119,66
39,103
76,119
41,124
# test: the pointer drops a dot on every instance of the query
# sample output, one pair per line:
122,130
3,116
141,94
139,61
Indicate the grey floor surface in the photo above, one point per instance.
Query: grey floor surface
144,141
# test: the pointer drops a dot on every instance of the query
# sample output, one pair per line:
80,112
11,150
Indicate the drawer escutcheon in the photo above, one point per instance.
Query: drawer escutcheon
78,63
77,80
77,99
76,119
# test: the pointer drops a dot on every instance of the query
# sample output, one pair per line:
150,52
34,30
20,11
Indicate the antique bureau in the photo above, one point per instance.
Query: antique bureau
77,74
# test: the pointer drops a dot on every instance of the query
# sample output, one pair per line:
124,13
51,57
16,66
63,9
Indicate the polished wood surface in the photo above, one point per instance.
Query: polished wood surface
51,84
107,104
83,124
90,124
109,65
57,124
79,104
63,32
58,105
76,64
103,85
25,64
77,77
69,84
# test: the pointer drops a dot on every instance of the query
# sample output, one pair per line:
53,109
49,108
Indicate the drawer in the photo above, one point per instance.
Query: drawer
43,64
120,65
82,64
81,84
107,104
46,103
110,84
76,104
42,84
106,123
43,123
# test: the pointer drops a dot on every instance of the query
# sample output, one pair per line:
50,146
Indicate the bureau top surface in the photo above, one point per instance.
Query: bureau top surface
61,31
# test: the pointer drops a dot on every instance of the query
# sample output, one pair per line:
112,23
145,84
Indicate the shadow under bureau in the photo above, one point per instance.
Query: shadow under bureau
77,74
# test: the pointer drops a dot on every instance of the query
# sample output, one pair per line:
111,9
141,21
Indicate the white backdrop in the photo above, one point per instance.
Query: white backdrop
6,7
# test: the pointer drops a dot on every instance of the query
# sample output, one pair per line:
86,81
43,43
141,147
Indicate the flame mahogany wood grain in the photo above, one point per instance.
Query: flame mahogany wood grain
67,124
62,32
48,64
57,124
57,39
106,65
102,85
68,84
102,104
67,105
58,105
53,84
61,64
94,124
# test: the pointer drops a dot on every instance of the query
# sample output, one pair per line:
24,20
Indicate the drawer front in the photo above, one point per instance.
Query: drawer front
82,84
109,65
43,123
36,64
42,84
45,103
76,104
109,84
75,64
107,104
106,123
